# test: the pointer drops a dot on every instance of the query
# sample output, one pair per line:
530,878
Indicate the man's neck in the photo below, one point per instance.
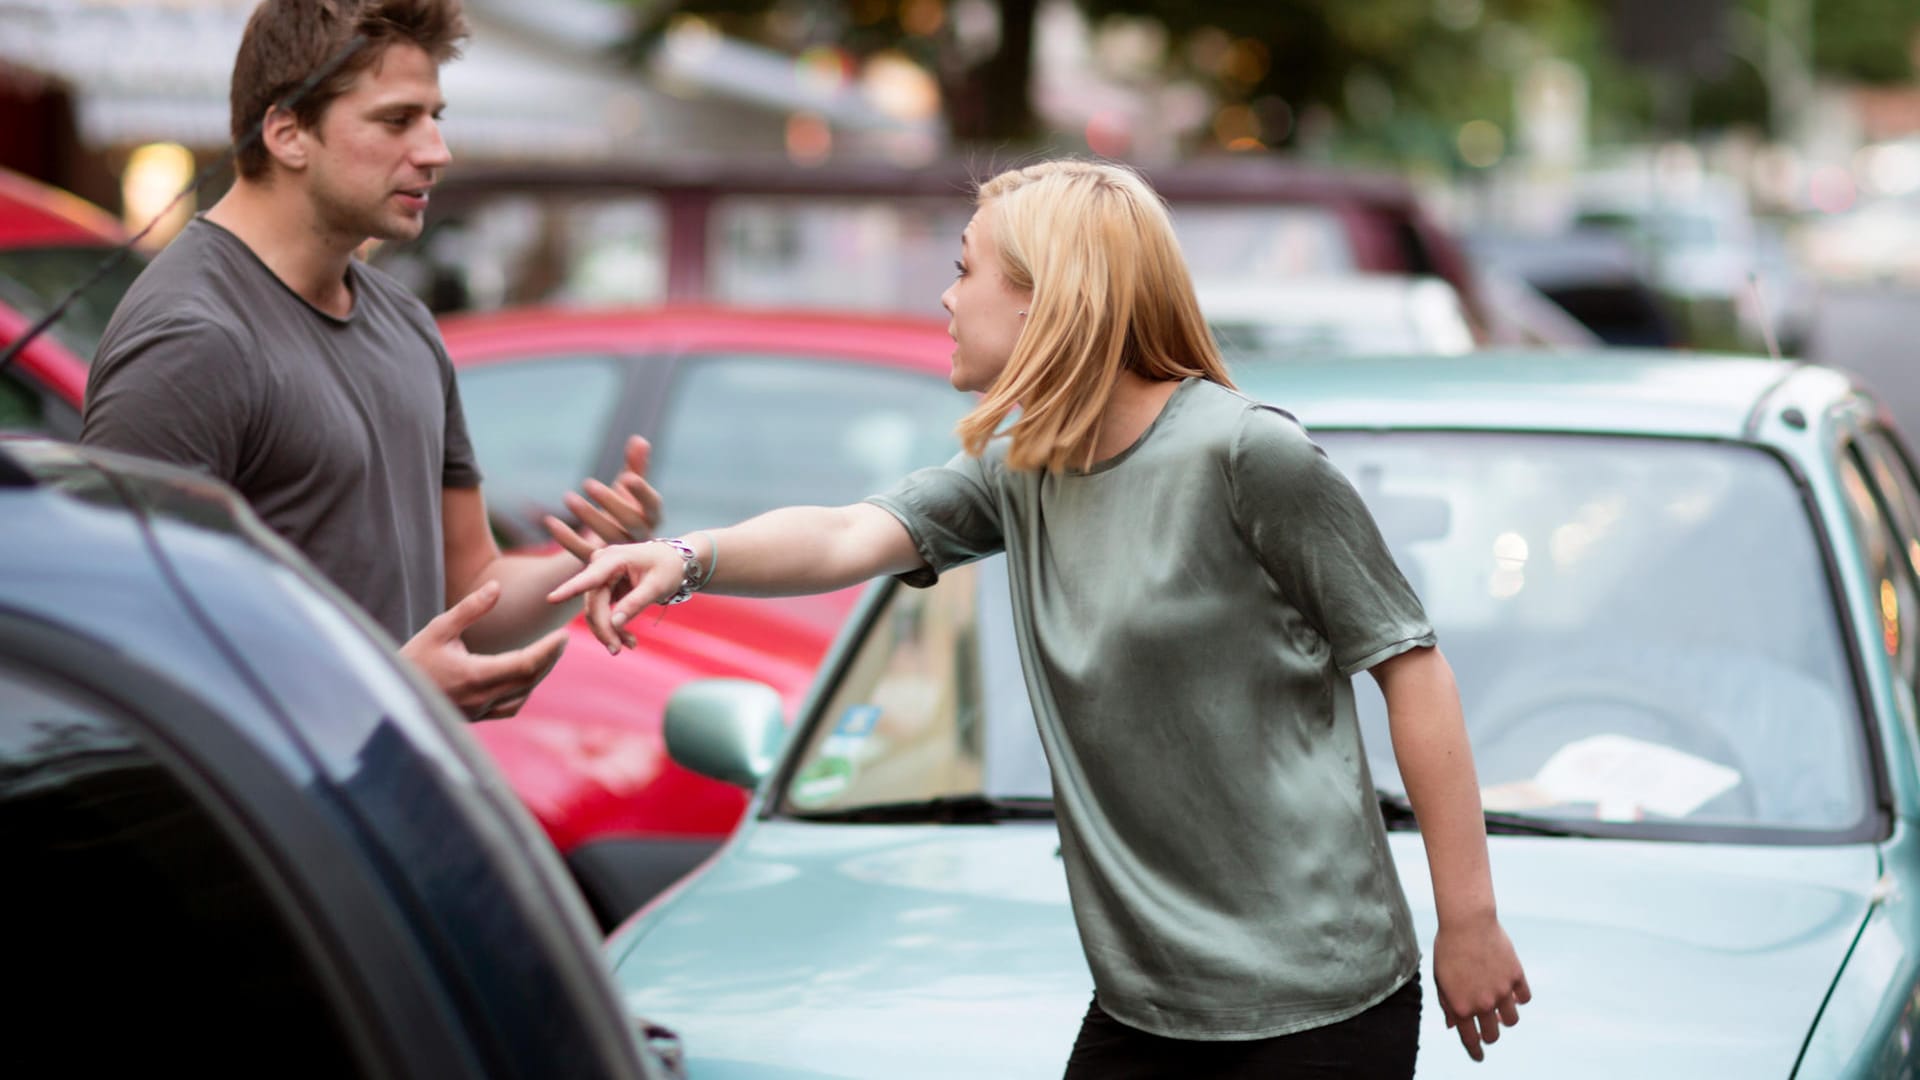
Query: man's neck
278,224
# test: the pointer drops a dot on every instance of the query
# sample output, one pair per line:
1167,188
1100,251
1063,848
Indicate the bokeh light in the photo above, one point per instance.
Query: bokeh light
155,173
809,139
823,69
923,17
1109,134
1482,144
1235,122
1831,189
900,88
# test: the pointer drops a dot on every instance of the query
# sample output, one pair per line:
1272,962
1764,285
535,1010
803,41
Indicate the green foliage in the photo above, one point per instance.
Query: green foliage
1396,78
1869,41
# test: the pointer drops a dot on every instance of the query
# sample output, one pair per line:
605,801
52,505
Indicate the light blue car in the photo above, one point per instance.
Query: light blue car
1680,595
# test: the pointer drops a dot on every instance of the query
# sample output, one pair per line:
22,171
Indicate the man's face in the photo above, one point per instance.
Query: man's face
377,151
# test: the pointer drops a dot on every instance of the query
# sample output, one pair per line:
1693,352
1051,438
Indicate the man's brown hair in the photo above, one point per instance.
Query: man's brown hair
288,41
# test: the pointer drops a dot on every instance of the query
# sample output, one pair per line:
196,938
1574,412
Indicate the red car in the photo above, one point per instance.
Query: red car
51,241
746,411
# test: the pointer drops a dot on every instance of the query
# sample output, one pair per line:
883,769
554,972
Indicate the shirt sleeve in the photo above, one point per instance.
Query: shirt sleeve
1319,544
179,390
951,514
459,468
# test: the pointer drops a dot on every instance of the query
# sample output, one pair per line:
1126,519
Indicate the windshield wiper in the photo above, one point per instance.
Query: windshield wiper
1398,813
946,810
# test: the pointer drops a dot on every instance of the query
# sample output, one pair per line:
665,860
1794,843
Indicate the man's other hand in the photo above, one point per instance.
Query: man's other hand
621,513
484,687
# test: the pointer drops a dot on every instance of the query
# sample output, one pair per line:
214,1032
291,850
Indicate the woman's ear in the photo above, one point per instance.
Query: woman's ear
284,138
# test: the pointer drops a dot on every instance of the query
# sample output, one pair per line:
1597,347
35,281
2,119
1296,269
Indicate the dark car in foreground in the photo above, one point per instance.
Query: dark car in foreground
240,837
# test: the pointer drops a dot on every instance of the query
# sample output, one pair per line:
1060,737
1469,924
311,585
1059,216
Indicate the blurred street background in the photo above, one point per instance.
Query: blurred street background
1713,174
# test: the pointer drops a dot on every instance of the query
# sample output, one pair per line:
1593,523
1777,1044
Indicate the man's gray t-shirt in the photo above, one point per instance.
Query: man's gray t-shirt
1189,613
340,433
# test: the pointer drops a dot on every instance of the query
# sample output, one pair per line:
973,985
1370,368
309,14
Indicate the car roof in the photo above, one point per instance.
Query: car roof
1597,391
33,214
1240,178
556,331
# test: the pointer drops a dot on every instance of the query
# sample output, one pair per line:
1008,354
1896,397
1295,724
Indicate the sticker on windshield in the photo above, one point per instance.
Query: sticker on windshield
836,763
856,722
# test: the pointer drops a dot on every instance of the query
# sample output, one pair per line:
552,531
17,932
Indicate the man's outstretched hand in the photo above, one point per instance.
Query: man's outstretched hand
484,687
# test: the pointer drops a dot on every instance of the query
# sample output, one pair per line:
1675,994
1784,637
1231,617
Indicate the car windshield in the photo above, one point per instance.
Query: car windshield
1642,630
33,280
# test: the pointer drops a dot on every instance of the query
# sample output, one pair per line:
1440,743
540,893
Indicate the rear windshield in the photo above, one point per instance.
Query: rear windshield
33,280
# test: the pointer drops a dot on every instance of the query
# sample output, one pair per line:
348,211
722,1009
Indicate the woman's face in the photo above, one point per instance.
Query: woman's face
987,312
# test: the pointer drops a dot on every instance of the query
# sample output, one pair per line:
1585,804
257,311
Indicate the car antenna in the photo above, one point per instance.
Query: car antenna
119,254
1760,310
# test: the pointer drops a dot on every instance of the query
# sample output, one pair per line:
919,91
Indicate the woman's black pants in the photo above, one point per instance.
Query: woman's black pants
1379,1044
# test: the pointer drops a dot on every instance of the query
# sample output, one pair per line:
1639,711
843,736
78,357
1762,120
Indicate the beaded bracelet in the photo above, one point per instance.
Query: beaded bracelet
689,574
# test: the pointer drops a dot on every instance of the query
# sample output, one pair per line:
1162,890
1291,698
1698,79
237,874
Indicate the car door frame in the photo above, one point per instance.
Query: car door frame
1896,737
344,923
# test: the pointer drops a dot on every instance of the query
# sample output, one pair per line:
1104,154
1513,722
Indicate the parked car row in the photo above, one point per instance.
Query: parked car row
1681,595
746,410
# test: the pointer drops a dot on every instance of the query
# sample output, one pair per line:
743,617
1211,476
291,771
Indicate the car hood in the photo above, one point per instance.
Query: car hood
814,951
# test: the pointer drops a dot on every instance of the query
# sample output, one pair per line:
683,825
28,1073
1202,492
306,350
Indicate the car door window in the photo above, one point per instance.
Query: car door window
744,434
538,428
131,913
1891,475
21,408
1886,557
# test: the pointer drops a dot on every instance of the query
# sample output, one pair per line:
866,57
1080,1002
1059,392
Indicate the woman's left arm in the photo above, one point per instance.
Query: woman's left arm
1475,971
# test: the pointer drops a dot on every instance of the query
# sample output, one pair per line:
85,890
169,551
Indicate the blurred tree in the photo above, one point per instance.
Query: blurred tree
980,51
1767,53
1401,76
1869,41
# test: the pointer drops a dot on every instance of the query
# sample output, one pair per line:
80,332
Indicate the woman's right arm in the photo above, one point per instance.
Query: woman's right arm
787,552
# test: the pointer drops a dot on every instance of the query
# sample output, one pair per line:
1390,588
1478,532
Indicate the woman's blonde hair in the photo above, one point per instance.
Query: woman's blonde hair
1111,292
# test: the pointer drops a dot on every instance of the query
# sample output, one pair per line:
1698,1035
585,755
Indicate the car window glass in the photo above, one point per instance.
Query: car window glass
1895,482
131,909
904,722
925,709
1227,243
745,434
849,254
1890,578
538,428
1642,630
21,409
33,280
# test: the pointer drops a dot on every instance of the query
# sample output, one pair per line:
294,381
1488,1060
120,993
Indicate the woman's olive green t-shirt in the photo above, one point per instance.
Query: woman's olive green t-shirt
1188,615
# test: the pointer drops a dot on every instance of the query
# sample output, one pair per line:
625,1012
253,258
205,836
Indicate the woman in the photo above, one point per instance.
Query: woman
1193,586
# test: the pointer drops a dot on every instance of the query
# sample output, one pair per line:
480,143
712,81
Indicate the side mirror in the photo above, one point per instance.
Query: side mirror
728,729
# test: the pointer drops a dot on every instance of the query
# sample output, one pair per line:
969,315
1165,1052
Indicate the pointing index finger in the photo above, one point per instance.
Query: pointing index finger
597,573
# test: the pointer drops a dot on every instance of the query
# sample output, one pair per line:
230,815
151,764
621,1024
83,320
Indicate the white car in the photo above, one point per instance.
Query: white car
1298,317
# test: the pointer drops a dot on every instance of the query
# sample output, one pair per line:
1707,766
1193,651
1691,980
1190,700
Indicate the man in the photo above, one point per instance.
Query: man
258,348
